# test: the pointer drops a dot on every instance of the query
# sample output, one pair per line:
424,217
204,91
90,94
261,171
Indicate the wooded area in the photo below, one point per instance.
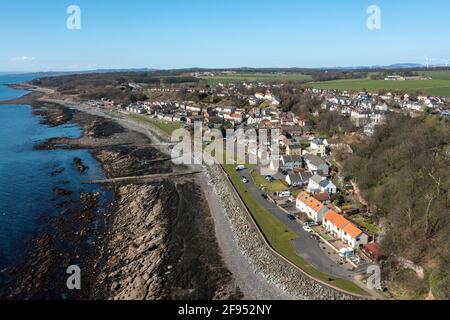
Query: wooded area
404,172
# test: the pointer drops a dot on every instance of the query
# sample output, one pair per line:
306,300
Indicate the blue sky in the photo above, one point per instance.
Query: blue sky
220,33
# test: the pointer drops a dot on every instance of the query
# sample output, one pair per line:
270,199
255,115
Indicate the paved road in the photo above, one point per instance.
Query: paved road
305,246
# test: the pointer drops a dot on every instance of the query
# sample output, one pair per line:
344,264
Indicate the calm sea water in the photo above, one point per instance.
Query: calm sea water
26,181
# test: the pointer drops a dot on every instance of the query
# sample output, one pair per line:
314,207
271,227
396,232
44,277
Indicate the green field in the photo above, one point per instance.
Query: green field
431,87
256,77
166,127
280,236
270,187
436,75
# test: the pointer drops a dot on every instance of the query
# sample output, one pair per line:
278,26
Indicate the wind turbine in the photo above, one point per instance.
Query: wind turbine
446,62
428,60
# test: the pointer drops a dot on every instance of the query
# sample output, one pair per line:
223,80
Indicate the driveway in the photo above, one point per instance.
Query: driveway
305,246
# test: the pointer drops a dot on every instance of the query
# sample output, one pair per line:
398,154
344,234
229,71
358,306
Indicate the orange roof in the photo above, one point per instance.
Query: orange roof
310,201
352,230
336,219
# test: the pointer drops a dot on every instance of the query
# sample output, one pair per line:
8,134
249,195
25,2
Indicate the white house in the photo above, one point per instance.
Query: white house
313,208
344,230
320,184
294,180
135,109
353,236
315,164
318,147
194,109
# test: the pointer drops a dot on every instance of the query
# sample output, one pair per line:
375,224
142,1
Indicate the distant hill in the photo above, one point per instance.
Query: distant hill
405,66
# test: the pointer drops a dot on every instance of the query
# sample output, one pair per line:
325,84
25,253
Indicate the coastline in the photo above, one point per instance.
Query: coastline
248,270
162,217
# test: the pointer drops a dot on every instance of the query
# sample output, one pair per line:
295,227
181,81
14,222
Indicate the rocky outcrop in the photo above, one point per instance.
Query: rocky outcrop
136,246
161,246
272,267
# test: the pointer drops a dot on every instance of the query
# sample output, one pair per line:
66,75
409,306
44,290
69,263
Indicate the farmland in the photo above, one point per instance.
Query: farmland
436,87
436,75
257,77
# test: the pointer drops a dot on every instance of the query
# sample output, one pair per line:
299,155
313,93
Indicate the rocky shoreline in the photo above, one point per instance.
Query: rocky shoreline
120,265
155,241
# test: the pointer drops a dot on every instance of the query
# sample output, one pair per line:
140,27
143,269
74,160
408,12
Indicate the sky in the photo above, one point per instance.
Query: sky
170,34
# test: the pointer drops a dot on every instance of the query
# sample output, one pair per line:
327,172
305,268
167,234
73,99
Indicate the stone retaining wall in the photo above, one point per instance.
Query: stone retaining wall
266,262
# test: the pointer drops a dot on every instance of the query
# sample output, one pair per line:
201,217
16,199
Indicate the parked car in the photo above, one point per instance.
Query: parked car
264,196
284,194
291,217
269,178
244,180
307,229
240,168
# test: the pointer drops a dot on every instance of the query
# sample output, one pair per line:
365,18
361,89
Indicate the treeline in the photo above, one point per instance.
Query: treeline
330,76
401,73
114,85
404,171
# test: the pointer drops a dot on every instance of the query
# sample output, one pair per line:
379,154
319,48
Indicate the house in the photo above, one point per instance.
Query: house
283,140
320,184
294,149
305,176
135,109
353,236
194,109
293,131
318,147
251,120
193,119
323,197
315,164
374,250
335,143
291,162
236,117
294,180
334,223
287,119
344,230
313,208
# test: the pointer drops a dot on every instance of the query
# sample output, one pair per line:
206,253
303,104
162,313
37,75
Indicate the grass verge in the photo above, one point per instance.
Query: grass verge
166,127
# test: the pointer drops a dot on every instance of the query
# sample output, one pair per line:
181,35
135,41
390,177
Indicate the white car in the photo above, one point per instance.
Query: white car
307,229
244,180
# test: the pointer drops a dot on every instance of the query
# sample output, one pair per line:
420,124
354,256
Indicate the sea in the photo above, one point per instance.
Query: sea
27,176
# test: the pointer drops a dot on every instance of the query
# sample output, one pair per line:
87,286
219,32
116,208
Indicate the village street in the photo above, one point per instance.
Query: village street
305,245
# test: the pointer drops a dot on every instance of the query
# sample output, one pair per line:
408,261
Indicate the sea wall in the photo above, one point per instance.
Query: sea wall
264,260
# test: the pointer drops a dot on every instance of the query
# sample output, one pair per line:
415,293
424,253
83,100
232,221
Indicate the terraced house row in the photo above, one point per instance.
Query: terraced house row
335,224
